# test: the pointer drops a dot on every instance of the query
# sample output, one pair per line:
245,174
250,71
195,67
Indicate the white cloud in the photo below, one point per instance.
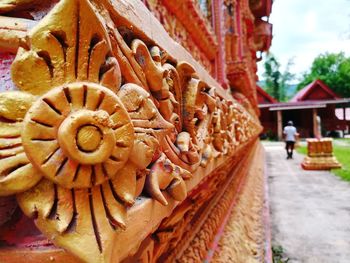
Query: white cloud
310,22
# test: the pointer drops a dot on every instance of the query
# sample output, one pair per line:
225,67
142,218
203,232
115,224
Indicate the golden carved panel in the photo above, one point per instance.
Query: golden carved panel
103,115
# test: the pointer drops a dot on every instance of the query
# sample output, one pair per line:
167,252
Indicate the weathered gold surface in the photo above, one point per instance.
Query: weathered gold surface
14,105
52,125
11,31
104,115
65,50
89,138
16,172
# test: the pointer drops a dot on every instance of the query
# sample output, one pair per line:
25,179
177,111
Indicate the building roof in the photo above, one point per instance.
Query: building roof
291,105
315,95
264,97
316,90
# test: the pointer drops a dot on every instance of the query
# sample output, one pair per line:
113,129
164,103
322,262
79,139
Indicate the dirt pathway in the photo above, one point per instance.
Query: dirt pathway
310,210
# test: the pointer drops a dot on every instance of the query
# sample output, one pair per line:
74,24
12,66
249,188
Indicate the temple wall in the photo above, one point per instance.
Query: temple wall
185,23
121,136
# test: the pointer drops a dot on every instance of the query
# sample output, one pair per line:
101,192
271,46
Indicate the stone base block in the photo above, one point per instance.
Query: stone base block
320,155
320,163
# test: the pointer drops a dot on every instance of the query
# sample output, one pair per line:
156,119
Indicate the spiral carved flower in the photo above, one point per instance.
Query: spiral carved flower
78,135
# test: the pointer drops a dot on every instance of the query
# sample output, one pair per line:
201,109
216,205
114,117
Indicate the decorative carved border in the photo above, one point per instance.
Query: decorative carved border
200,247
202,33
244,237
107,127
176,232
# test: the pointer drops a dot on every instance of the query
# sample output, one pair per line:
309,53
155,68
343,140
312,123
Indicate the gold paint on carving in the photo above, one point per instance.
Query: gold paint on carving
164,175
16,172
82,199
65,50
14,105
76,219
135,98
89,138
102,204
11,31
53,123
90,146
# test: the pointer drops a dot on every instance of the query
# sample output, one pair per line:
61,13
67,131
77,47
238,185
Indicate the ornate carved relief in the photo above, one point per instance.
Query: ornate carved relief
187,26
241,49
101,118
186,236
243,238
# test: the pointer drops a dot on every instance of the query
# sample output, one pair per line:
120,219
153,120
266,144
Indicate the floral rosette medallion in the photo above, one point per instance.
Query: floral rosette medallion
78,135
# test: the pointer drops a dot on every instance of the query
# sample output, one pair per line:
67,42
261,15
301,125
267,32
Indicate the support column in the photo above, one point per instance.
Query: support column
314,124
217,11
279,125
344,116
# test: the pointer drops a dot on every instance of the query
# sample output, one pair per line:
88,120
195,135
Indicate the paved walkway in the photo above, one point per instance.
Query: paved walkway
310,210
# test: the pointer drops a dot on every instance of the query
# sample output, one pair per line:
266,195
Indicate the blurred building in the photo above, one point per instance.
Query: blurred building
316,99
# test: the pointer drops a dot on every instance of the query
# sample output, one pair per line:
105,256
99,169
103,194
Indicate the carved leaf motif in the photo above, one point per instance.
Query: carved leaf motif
16,172
142,111
82,200
69,44
150,127
175,98
165,175
83,221
152,69
132,72
163,81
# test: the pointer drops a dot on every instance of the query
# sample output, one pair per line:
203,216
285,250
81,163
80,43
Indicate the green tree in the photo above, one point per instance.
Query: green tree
275,80
333,69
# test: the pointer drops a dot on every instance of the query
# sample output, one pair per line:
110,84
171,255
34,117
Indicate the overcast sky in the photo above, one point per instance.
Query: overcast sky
302,29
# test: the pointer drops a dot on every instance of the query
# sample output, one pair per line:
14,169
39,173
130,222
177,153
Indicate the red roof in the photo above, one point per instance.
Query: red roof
316,90
303,104
264,97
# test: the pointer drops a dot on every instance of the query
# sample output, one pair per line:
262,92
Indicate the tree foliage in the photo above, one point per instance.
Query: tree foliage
332,69
275,80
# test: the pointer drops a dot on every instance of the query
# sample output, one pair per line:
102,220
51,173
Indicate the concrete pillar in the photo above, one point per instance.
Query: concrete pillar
218,16
279,125
315,124
344,116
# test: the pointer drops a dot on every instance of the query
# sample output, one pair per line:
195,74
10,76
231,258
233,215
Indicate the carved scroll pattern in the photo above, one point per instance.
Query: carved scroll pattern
97,121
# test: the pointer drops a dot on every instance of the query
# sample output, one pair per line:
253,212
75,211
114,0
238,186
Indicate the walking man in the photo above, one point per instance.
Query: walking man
290,133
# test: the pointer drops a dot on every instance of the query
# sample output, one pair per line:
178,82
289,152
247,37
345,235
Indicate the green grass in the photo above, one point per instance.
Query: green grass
278,255
343,156
302,150
341,150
